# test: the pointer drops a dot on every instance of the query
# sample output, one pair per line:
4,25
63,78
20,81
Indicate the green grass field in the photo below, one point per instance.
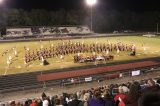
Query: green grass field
150,48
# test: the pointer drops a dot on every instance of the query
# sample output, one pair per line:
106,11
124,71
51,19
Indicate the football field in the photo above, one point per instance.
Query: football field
145,48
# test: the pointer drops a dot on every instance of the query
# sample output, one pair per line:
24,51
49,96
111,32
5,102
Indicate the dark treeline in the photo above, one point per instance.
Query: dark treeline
103,21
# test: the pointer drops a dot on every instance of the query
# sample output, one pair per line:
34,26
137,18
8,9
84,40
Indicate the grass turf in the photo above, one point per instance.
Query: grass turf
146,47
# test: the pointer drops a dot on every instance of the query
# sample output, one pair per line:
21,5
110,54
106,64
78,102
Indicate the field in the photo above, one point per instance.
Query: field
145,48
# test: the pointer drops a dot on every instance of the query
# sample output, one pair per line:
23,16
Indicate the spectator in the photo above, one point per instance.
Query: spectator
131,99
34,103
97,100
39,102
64,99
28,102
158,82
108,99
13,103
85,100
45,101
58,102
44,95
52,101
150,99
152,86
82,94
75,101
49,101
122,91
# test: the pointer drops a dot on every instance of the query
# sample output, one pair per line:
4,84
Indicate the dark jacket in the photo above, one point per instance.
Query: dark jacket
74,102
109,102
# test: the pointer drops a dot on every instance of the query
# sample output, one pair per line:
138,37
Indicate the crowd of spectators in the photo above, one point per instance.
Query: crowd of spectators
134,93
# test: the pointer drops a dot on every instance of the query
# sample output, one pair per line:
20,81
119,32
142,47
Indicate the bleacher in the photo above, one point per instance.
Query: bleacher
45,30
15,32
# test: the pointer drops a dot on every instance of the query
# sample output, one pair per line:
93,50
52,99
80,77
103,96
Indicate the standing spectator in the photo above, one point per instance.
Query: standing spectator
43,95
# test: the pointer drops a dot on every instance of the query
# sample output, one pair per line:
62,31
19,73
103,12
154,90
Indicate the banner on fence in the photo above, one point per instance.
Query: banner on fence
135,73
88,79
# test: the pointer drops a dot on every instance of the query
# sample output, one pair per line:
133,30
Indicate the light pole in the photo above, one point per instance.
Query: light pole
91,3
157,28
1,2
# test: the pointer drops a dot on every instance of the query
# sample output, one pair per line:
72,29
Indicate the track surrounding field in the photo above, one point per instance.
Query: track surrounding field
26,81
94,71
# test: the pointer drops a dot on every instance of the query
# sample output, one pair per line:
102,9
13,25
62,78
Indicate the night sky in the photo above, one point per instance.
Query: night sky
120,5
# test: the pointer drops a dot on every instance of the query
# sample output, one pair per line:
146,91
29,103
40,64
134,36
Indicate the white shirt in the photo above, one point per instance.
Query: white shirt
45,103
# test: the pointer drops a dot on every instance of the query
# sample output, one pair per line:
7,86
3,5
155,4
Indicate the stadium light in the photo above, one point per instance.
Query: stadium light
91,3
1,1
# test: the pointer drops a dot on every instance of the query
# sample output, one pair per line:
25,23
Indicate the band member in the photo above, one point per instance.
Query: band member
10,58
107,52
8,62
42,60
15,53
117,50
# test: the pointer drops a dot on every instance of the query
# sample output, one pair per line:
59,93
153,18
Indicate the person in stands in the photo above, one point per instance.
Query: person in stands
131,99
75,101
97,99
150,99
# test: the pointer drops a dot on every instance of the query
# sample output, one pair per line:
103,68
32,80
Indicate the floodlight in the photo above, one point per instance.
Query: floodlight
91,2
1,1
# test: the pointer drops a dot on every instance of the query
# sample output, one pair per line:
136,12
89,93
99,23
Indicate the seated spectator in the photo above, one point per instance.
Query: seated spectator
150,99
75,101
28,102
123,90
63,99
158,81
45,101
12,103
96,100
82,93
39,102
34,103
108,99
152,86
58,102
85,100
131,99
